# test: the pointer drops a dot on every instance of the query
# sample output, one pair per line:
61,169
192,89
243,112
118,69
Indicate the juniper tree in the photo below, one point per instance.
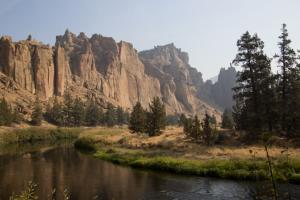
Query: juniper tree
137,119
156,117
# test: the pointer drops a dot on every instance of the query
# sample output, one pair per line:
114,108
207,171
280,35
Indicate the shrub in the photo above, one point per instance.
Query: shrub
85,143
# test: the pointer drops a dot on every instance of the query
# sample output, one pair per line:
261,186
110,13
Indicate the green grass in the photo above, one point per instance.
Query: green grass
230,169
102,131
35,134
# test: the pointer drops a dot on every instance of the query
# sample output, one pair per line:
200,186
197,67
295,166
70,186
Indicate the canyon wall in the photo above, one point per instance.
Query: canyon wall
99,67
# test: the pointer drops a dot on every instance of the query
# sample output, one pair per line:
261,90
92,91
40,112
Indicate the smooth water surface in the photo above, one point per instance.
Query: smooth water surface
88,178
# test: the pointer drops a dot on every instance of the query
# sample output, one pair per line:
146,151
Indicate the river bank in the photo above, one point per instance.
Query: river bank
36,134
171,151
175,153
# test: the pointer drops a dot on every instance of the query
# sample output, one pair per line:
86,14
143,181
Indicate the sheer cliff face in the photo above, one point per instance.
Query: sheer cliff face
101,68
220,94
178,80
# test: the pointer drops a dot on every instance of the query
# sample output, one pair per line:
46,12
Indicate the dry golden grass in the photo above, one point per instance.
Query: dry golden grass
173,140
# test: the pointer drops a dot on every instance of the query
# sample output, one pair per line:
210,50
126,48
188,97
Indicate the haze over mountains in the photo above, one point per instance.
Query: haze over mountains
108,71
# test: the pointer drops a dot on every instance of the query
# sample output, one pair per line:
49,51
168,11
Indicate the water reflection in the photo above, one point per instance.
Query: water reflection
88,178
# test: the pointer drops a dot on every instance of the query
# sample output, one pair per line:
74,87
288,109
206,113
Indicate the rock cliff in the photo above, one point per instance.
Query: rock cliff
101,68
219,94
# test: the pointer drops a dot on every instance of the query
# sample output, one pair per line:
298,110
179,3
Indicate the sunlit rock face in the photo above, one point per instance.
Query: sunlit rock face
99,67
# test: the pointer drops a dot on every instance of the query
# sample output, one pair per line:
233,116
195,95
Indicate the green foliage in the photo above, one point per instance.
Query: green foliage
94,114
30,135
227,119
67,110
30,191
286,62
28,194
213,120
253,84
37,114
85,143
230,168
192,128
110,115
207,130
295,178
122,116
6,114
264,101
137,119
78,112
172,120
155,117
196,128
74,113
188,126
182,120
54,113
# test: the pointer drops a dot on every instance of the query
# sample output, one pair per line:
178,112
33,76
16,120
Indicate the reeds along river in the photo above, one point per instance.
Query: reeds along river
88,178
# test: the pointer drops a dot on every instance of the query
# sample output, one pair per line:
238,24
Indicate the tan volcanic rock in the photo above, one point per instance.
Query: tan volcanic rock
98,67
43,70
177,79
15,61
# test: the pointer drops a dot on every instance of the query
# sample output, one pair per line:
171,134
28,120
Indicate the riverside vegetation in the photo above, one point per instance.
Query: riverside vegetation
266,114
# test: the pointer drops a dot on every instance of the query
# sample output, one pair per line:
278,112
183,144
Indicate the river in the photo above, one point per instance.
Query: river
88,178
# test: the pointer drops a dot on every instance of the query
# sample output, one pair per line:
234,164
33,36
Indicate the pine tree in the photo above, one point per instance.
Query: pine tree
121,116
6,117
293,117
156,117
188,127
54,113
182,120
207,130
68,109
110,115
57,113
17,116
196,128
137,119
213,120
78,113
227,119
37,114
249,112
93,114
286,62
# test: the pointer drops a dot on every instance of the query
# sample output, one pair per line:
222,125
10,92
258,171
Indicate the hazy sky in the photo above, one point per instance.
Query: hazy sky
206,29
